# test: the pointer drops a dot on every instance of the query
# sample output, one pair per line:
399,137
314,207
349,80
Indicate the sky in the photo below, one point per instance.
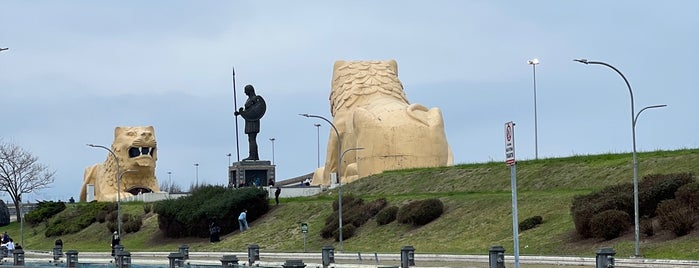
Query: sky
75,70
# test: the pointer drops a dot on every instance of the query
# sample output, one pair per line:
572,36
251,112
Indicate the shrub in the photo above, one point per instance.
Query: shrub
354,212
689,194
44,210
147,208
584,207
191,215
647,226
676,217
420,212
387,215
75,219
4,214
655,188
609,224
131,223
530,223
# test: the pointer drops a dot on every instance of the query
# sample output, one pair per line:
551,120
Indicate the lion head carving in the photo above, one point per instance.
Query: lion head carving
136,153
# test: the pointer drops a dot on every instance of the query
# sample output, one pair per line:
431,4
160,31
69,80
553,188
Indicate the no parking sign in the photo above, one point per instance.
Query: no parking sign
510,143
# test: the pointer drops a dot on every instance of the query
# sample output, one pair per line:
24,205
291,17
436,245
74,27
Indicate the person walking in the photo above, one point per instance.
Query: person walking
215,232
115,241
243,220
276,195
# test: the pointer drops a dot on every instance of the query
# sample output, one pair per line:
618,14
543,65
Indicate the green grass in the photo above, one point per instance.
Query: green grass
477,214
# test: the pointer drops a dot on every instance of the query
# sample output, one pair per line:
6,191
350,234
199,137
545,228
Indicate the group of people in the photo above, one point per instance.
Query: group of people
8,243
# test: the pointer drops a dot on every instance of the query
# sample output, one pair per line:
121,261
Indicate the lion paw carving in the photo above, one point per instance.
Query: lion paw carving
371,111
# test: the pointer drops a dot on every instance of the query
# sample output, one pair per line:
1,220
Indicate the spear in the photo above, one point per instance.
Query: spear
235,104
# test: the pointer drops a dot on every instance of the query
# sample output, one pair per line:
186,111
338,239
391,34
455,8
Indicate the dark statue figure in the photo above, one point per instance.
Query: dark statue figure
252,112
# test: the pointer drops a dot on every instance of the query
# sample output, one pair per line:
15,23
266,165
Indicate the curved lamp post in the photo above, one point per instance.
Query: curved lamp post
118,178
196,174
272,140
534,63
339,179
634,118
318,141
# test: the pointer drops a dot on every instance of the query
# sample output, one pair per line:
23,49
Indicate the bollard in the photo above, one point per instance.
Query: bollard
57,253
253,253
229,261
72,258
175,259
18,257
496,257
123,259
293,264
328,254
184,249
407,256
605,258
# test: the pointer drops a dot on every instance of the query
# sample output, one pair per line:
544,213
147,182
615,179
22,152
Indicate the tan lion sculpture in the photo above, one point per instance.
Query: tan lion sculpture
371,111
136,150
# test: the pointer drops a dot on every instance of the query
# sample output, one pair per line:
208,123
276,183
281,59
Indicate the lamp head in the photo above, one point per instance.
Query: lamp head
535,61
306,115
581,61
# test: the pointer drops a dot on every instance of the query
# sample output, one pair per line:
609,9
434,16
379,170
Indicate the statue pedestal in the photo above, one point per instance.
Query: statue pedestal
248,173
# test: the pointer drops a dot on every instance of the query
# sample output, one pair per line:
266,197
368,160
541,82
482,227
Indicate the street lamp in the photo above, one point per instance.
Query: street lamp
169,181
339,180
272,140
318,140
534,63
118,178
634,117
229,159
196,173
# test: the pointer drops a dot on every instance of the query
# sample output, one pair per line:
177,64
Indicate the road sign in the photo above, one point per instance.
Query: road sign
510,143
304,227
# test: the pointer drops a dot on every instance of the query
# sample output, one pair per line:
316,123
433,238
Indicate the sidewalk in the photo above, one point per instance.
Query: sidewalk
346,260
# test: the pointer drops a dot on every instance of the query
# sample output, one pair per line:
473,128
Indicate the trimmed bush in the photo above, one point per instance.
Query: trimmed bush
676,217
584,207
609,224
44,210
131,223
655,188
387,215
74,219
530,223
420,212
191,215
4,214
647,227
354,212
689,194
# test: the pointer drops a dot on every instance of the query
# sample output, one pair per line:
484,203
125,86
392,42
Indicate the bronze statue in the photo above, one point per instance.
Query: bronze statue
253,111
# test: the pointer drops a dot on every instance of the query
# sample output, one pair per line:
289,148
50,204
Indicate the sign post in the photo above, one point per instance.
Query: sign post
304,230
510,161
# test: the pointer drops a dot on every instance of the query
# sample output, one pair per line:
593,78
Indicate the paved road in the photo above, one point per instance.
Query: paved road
159,259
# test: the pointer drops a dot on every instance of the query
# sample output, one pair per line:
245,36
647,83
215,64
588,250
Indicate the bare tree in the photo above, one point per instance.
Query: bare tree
21,173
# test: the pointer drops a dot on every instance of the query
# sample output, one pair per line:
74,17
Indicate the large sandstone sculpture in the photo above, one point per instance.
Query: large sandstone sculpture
371,111
136,149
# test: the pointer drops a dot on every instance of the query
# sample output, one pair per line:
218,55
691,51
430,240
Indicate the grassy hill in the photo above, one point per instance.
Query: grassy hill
477,214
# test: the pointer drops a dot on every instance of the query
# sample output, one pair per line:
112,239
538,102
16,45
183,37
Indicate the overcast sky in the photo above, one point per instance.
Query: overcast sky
77,69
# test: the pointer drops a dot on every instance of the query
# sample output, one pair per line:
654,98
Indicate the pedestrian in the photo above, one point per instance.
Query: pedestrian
243,220
10,245
214,232
5,238
276,195
115,241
